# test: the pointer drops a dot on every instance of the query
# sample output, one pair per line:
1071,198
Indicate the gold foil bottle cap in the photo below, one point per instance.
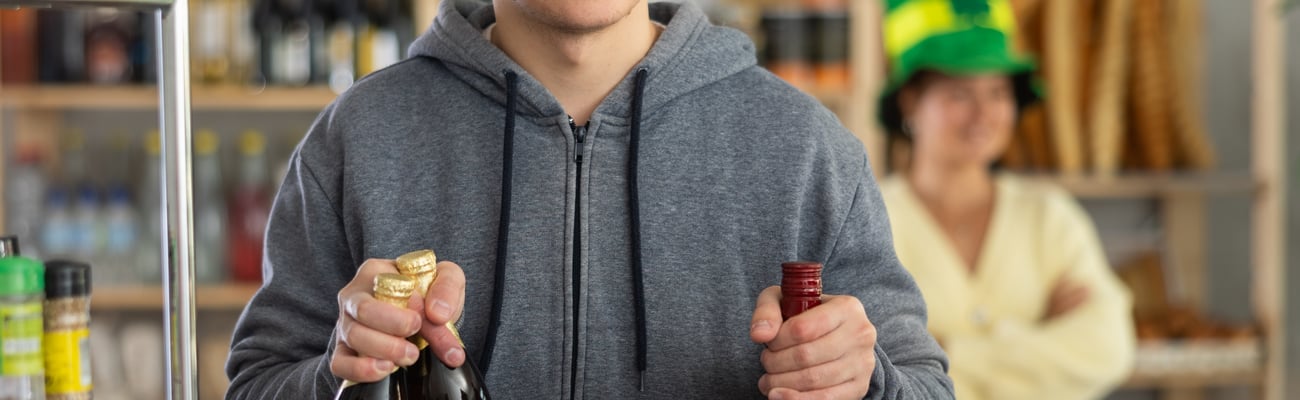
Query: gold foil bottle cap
417,263
394,288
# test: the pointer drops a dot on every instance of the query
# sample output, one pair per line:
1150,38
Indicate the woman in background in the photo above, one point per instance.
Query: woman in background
1018,289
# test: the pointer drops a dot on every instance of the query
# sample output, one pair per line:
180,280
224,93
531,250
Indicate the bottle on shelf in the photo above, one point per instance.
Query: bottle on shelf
380,35
148,264
18,46
22,287
122,228
428,378
249,209
24,196
785,32
61,42
209,43
209,210
339,17
67,331
88,226
243,42
58,233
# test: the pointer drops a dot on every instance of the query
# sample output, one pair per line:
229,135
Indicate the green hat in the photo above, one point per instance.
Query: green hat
955,37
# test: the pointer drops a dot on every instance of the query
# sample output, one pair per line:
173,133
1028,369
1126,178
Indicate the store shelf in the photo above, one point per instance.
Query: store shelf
230,297
1145,185
138,97
1195,381
86,3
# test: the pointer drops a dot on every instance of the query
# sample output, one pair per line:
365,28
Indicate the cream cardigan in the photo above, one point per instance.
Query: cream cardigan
989,321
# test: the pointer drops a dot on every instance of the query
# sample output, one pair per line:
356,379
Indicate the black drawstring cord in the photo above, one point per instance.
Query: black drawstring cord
503,226
634,207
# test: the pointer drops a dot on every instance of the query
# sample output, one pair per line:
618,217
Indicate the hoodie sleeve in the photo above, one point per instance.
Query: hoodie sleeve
909,362
282,343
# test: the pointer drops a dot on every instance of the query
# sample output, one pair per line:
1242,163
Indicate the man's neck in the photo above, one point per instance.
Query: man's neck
579,68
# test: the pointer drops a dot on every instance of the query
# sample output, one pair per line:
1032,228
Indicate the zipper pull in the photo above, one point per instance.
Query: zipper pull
579,136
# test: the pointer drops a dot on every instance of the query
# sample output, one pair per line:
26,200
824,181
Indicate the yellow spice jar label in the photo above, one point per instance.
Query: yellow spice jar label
67,361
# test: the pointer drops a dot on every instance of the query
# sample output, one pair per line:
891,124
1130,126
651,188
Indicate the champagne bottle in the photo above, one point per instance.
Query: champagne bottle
428,378
801,287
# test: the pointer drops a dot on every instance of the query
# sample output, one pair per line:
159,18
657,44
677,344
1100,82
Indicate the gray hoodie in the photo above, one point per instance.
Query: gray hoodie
598,258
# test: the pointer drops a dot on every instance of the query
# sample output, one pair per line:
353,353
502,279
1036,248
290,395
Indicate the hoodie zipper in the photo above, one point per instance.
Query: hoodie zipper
580,137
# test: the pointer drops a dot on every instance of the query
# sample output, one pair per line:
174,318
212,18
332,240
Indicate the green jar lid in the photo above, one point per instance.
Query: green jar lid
21,276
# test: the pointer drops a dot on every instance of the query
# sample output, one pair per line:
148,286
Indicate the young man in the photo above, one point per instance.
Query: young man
617,184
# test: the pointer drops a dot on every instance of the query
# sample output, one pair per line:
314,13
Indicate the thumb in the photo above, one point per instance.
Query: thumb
766,321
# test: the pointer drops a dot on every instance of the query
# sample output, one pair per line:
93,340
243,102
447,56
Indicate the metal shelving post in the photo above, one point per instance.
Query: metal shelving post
172,20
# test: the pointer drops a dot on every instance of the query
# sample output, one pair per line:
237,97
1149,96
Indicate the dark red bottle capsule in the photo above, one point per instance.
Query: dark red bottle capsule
801,287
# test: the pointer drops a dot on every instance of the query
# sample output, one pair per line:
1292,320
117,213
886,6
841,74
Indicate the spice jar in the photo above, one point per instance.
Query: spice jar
67,330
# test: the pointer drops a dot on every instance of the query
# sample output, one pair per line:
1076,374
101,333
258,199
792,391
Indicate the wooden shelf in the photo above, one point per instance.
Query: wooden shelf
1195,381
1145,185
231,297
145,97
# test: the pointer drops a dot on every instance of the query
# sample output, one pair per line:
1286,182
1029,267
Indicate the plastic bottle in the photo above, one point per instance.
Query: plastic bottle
209,211
122,234
88,225
22,287
148,254
24,197
58,235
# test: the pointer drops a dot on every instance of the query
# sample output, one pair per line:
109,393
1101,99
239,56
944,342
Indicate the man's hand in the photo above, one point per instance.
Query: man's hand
372,334
1066,296
828,352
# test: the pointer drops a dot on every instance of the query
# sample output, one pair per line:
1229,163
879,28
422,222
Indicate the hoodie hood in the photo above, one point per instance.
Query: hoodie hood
689,54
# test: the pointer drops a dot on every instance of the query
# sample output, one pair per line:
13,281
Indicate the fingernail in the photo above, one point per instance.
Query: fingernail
454,356
442,310
384,366
412,354
760,325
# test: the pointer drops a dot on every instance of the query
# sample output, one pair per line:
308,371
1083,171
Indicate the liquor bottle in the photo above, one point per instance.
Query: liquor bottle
340,19
18,46
249,208
428,378
209,211
211,20
61,43
378,38
801,287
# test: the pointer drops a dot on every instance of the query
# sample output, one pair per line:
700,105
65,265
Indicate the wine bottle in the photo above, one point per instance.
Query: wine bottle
428,378
801,287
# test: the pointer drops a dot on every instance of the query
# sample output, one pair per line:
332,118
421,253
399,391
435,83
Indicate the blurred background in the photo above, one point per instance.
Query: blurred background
1154,131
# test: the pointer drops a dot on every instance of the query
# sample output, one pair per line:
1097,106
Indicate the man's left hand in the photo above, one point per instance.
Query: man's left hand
827,352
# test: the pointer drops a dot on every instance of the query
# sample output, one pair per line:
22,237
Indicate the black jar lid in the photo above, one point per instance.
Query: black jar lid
66,279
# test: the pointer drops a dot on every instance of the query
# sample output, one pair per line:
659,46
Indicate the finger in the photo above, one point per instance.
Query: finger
828,348
766,321
346,364
854,389
443,343
814,378
817,321
372,343
387,318
446,295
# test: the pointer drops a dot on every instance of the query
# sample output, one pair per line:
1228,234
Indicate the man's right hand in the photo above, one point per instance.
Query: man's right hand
372,334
